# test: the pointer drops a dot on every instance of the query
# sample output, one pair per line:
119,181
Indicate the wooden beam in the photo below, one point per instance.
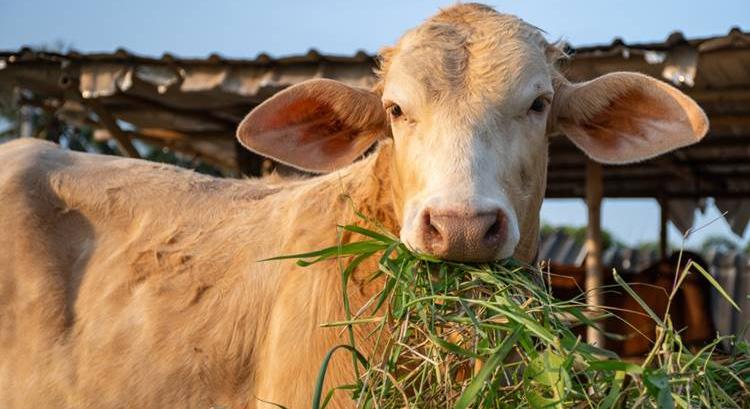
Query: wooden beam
729,121
561,145
594,276
642,193
614,183
107,121
723,160
663,224
141,103
210,151
683,172
720,95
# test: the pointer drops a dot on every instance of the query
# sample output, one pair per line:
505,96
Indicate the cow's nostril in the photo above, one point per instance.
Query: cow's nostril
462,235
494,234
432,233
493,231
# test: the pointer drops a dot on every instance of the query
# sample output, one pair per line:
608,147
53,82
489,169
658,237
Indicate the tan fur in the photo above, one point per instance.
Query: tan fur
125,283
132,284
466,49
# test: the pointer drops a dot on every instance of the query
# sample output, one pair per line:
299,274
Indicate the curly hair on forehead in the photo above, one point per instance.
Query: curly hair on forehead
463,31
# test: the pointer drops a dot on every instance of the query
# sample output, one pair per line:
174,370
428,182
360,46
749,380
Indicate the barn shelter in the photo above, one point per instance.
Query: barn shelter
193,105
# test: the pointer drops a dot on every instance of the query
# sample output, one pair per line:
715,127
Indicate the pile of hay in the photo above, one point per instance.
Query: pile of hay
493,336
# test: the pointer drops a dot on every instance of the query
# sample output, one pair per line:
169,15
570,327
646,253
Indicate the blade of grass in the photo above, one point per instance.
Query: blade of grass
637,298
318,391
715,284
367,246
369,233
472,391
614,391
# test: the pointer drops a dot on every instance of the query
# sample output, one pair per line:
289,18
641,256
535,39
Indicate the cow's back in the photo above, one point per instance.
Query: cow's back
126,283
37,240
108,269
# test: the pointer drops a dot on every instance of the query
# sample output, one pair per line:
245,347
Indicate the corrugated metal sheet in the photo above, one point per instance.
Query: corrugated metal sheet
730,268
732,271
560,248
227,88
198,102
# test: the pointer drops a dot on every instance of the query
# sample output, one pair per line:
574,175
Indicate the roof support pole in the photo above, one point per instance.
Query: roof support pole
26,121
107,121
663,233
594,276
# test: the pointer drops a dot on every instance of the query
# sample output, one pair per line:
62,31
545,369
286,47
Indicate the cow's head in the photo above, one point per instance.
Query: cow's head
469,98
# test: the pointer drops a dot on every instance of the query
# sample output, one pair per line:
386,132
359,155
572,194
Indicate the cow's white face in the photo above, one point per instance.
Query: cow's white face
468,98
468,114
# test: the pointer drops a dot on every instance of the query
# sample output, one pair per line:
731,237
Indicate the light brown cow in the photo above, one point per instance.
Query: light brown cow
125,283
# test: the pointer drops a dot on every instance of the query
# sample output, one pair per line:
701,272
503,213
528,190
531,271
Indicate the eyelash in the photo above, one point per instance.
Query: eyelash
539,105
395,111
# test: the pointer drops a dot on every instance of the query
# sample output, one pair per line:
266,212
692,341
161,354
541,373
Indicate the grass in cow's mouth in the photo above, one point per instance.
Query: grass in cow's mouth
493,336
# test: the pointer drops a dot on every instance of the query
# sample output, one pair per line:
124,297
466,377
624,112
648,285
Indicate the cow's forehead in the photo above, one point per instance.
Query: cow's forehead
455,72
469,50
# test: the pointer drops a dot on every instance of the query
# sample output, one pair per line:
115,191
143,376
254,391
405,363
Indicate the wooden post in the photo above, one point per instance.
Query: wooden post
107,121
594,276
663,234
26,122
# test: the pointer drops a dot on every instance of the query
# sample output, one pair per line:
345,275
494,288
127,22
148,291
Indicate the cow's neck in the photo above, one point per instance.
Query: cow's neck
299,300
371,189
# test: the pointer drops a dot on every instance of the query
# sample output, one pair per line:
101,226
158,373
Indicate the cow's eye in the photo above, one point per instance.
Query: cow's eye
538,105
395,111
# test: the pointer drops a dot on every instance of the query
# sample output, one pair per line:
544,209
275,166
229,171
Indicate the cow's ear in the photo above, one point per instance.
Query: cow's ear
626,117
317,125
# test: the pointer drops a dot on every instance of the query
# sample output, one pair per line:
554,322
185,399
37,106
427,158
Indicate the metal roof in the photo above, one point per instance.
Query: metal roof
193,105
560,248
730,268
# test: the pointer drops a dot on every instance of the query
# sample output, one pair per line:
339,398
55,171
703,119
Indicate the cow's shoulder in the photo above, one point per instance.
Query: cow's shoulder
40,168
16,154
26,162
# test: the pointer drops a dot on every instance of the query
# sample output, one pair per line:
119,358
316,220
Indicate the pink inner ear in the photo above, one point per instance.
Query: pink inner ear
302,129
308,121
629,114
628,120
621,118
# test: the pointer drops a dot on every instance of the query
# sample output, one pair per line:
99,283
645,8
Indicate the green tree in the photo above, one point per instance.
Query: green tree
722,243
8,115
48,126
579,234
648,245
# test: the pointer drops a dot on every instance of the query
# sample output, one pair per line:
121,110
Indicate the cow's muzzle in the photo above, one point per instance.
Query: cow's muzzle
462,235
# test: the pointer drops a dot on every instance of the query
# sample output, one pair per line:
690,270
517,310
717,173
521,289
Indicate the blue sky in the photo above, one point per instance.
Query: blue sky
236,28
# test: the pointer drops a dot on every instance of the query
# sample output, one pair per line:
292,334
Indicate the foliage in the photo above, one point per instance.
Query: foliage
9,109
648,246
718,242
81,138
77,138
492,336
579,234
8,115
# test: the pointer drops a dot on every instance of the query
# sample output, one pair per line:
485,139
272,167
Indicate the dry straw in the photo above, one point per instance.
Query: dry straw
492,336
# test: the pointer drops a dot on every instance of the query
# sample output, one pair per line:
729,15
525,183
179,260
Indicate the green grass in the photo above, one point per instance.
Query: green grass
492,336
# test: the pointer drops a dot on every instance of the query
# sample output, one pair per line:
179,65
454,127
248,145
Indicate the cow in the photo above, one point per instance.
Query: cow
636,331
125,283
690,310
